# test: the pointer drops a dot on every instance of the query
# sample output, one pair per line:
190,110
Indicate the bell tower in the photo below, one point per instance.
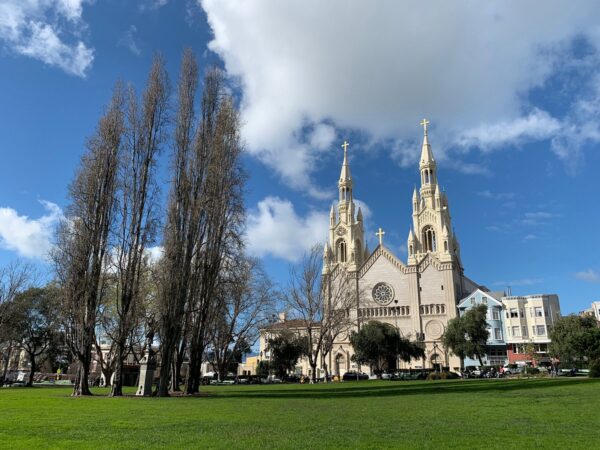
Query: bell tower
346,231
432,228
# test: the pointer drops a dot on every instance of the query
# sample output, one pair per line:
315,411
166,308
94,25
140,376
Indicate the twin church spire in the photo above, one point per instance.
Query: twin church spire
431,231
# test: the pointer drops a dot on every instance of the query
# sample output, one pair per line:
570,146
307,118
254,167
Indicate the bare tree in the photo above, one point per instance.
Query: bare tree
136,213
219,210
178,233
83,239
246,301
323,303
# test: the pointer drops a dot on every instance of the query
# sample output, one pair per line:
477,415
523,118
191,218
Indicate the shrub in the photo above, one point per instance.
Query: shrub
531,371
594,369
437,376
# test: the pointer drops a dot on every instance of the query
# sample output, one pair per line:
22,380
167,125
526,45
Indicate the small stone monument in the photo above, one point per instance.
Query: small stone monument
147,368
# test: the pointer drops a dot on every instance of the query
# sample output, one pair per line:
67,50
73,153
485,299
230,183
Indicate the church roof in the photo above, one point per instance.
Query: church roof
290,324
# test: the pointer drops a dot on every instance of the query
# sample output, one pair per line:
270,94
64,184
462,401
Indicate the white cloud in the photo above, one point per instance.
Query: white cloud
150,5
155,253
275,229
519,282
128,41
589,275
378,68
529,237
37,28
31,238
496,195
536,126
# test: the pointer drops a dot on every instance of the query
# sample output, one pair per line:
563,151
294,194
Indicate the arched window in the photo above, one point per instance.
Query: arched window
341,251
410,250
445,246
428,239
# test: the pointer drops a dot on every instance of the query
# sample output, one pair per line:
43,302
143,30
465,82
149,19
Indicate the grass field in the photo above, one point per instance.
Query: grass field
536,413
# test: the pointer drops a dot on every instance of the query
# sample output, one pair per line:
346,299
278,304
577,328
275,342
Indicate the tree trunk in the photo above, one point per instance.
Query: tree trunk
117,382
313,378
166,356
32,370
6,362
480,360
81,386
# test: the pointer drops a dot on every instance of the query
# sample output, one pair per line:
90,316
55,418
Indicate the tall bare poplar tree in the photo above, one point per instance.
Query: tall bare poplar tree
136,213
220,212
82,239
178,233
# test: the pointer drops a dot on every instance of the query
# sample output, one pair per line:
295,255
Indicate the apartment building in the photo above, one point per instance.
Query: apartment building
528,320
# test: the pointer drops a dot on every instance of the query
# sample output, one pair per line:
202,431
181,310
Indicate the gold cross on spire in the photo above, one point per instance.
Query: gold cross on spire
380,234
345,146
425,122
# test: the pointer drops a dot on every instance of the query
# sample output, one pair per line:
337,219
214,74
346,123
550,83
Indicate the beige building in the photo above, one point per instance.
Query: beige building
297,327
418,296
529,320
593,310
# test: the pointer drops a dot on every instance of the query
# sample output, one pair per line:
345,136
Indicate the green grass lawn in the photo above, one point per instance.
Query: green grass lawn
536,413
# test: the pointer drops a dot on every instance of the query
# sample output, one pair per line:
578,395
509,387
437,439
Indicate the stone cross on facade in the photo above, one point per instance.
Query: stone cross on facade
380,234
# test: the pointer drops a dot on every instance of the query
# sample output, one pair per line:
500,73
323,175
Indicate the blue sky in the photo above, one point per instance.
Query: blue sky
512,93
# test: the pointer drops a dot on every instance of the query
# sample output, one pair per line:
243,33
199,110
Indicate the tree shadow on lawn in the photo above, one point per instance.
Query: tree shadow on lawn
404,388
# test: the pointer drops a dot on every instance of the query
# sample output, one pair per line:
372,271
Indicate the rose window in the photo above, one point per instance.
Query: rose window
383,293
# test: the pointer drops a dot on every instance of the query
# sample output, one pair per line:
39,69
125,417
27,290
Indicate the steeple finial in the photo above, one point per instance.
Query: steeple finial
345,174
426,153
425,122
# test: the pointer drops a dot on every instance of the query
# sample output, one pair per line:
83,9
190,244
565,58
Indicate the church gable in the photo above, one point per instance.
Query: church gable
382,270
381,252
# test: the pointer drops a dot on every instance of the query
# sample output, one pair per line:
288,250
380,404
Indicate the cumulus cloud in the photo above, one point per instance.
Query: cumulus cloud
31,238
47,30
378,68
275,229
589,275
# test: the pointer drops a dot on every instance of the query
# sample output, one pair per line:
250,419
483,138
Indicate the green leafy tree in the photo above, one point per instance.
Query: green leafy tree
378,344
467,335
35,321
286,348
575,339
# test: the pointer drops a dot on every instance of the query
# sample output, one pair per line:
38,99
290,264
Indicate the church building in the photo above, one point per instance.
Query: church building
418,296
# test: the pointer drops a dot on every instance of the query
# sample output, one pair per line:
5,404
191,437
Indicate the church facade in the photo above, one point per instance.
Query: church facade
418,296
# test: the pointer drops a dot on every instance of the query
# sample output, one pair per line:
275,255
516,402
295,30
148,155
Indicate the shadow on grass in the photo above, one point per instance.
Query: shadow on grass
400,389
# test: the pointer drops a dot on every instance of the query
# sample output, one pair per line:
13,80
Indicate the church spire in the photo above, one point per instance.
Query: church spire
346,204
345,176
427,165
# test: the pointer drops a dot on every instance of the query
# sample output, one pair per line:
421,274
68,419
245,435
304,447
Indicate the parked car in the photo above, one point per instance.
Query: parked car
512,369
353,376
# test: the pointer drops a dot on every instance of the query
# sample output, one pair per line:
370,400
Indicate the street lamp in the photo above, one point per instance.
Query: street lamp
398,331
435,350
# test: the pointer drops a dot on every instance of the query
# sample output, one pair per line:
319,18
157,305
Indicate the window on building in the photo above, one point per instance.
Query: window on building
472,300
524,331
516,331
539,311
484,300
514,312
342,251
498,334
428,239
540,330
495,314
522,312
